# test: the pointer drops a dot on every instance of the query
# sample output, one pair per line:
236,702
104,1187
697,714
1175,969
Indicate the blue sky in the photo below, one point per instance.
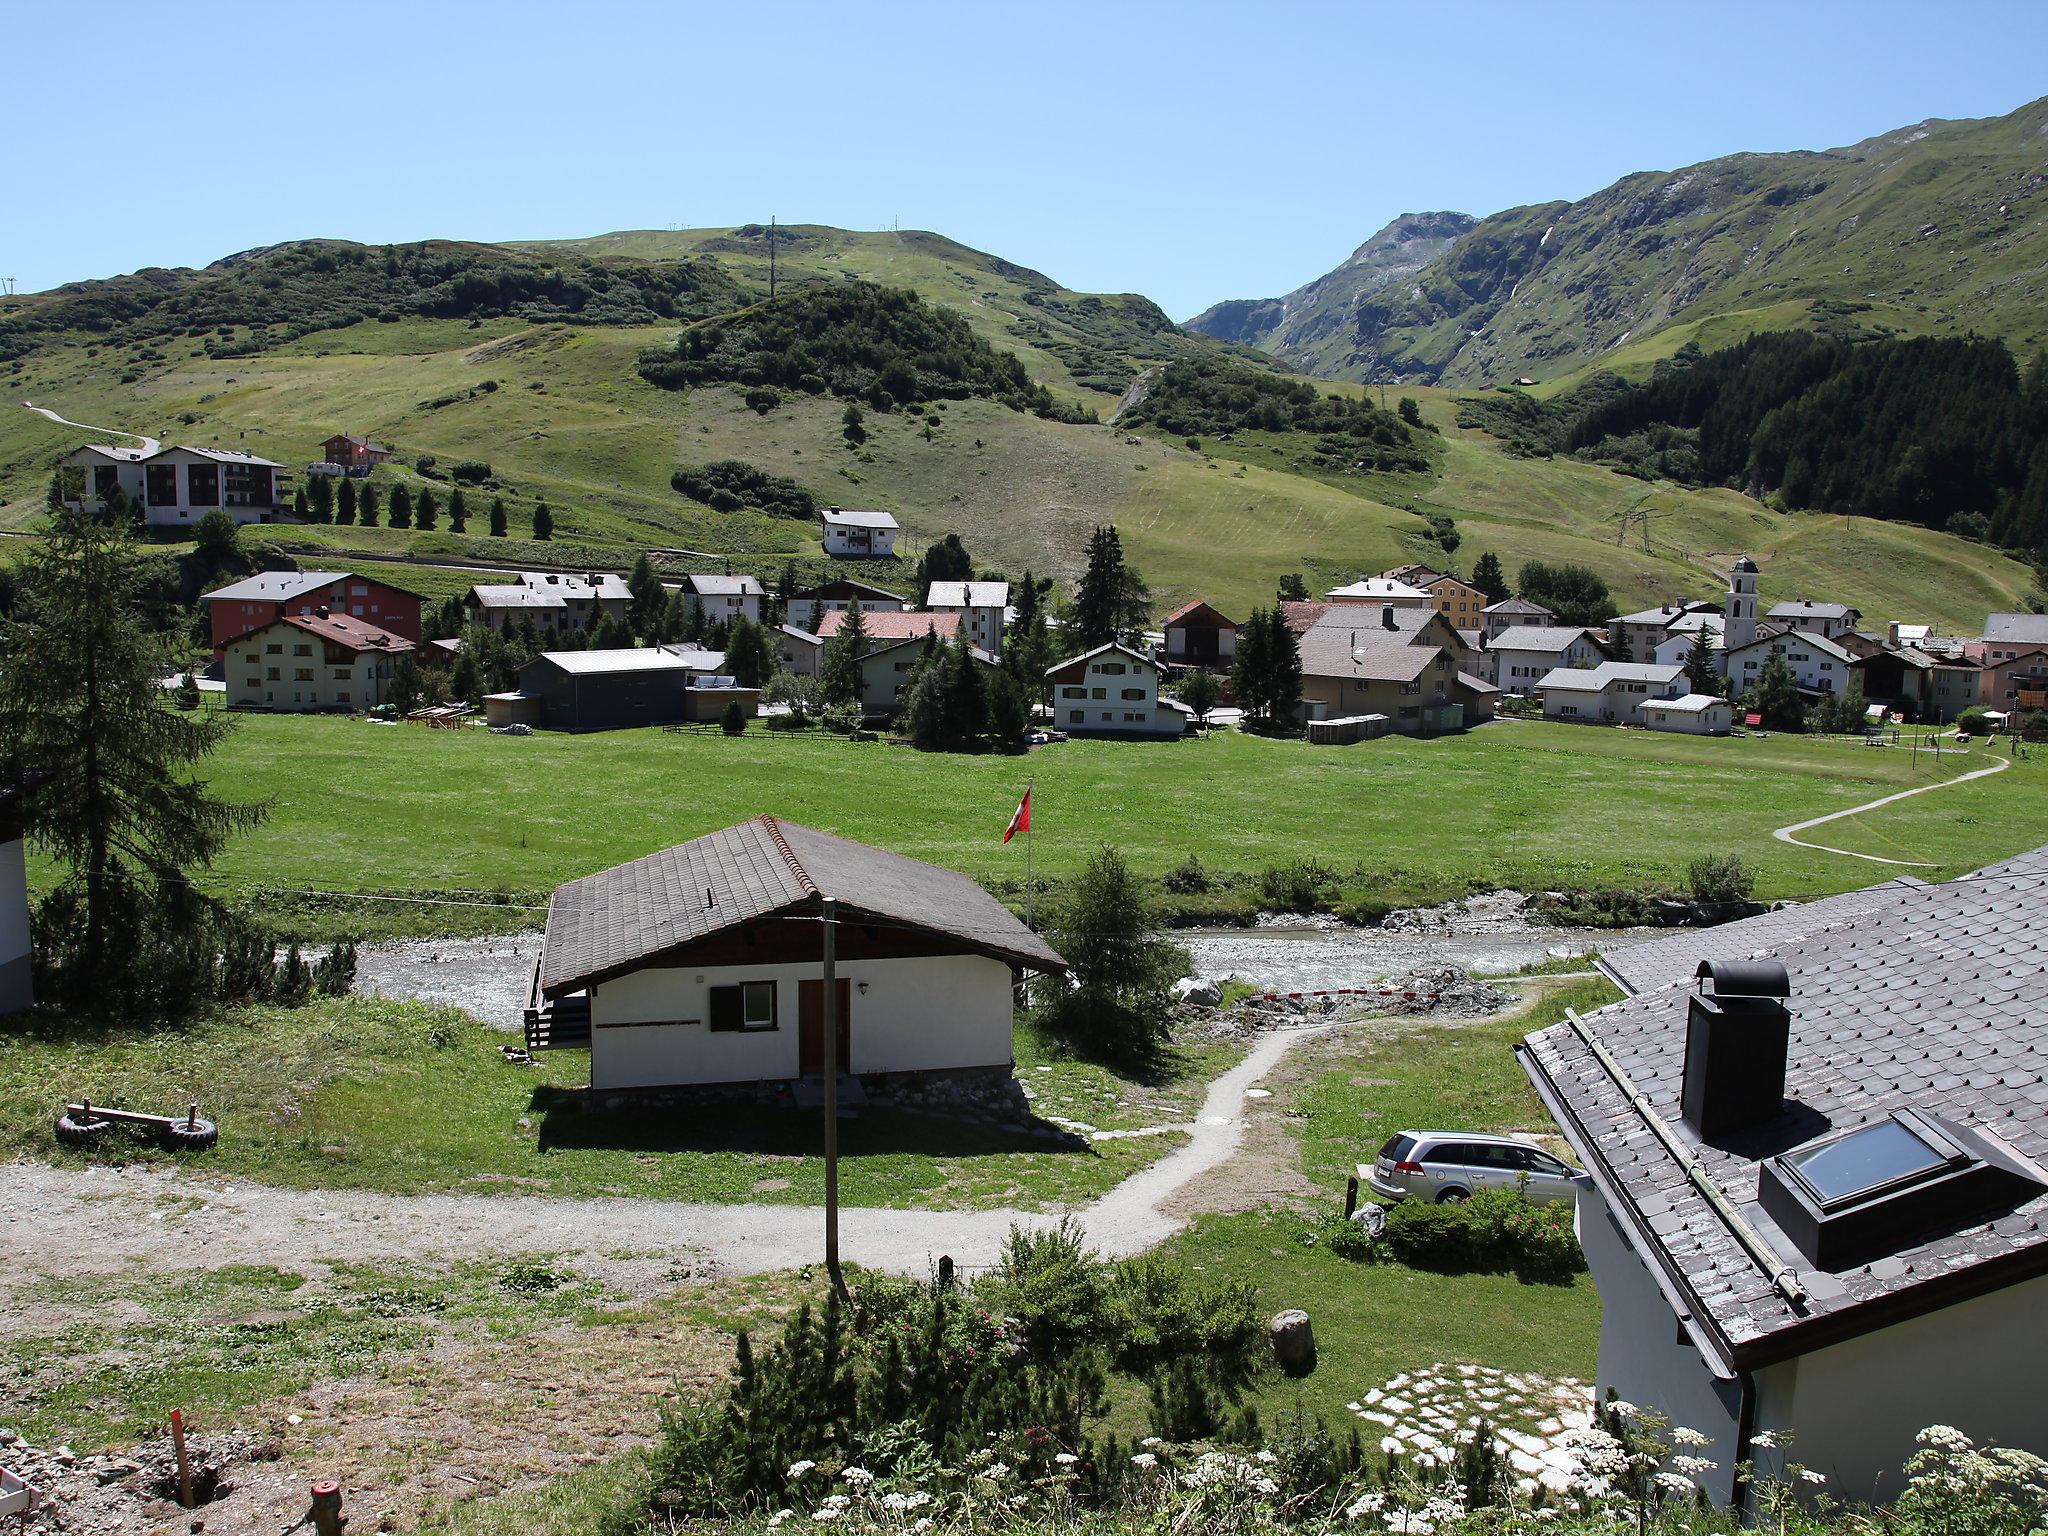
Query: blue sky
1189,151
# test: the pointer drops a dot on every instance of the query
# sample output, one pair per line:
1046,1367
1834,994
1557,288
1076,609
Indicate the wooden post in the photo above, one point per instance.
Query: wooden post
1351,1197
829,1049
184,1463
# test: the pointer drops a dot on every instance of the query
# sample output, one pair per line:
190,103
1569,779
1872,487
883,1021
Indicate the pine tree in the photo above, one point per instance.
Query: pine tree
323,499
1776,697
1283,671
458,512
1488,577
749,659
366,511
543,521
345,504
401,507
966,698
650,598
1251,667
1111,601
1699,664
427,512
81,708
1292,588
839,676
301,509
946,560
498,519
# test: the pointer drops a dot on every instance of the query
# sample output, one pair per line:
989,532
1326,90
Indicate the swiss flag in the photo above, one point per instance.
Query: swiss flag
1021,821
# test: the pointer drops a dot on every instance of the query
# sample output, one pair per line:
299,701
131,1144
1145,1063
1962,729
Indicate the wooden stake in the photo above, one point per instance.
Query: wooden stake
830,1052
184,1464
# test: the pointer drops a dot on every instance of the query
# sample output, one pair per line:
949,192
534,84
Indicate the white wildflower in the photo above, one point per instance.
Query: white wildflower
798,1468
778,1517
1683,1436
1693,1466
1066,1458
916,1498
1368,1503
1626,1410
1672,1482
1144,1459
1151,1442
919,1527
996,1472
1945,1437
860,1477
825,1512
1767,1440
1265,1456
1812,1476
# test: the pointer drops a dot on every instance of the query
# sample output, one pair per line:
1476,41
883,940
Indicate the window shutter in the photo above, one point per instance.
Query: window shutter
725,1007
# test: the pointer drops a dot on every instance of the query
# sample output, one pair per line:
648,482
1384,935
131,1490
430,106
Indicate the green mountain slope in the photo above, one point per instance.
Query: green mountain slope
556,404
1937,227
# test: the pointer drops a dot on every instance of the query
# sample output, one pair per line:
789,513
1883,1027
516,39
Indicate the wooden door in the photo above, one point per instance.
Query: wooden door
810,1016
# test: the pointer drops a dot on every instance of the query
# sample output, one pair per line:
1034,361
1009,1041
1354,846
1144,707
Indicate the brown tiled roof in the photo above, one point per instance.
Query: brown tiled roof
1302,617
892,626
1935,999
339,629
1189,609
612,922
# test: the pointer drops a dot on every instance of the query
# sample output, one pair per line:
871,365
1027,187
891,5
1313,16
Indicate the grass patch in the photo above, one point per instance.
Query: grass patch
232,1337
360,1093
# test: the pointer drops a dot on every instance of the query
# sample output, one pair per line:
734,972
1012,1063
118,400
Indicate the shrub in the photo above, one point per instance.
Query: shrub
762,401
1430,1236
734,720
1187,877
726,485
1295,887
470,471
1974,721
1719,877
1496,1230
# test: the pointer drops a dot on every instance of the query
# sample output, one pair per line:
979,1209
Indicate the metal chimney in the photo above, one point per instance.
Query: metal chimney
1387,616
1736,1041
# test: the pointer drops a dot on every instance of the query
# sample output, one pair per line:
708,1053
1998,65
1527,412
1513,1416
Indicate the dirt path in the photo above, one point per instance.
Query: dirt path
1790,834
149,444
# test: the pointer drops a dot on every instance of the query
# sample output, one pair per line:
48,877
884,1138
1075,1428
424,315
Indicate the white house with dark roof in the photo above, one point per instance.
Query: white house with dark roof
308,662
1818,665
1682,634
1815,1198
724,598
1513,613
1111,691
1613,693
1690,714
801,653
1525,655
1815,618
864,535
555,600
982,605
177,486
888,667
1636,636
701,964
813,603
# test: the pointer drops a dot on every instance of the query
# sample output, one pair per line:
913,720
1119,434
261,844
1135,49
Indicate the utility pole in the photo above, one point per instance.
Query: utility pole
771,255
829,1019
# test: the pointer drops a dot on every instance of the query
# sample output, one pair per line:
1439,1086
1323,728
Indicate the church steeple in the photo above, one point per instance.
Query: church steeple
1738,613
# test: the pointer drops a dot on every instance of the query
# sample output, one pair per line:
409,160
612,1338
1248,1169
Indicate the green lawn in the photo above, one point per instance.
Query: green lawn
467,816
361,1093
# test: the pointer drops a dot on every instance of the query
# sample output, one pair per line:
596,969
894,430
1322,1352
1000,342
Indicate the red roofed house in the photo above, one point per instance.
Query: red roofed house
893,626
258,601
300,663
357,455
1198,636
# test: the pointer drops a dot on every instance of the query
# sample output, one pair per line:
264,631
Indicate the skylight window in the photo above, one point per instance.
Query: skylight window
1872,1160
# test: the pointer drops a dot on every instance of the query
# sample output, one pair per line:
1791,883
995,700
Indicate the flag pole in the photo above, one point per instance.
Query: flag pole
1028,783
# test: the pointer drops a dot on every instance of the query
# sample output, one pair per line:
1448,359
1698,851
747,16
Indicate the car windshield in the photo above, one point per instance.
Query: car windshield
1397,1148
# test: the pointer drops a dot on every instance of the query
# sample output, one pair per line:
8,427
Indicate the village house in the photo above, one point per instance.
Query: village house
1457,600
1681,635
614,690
1197,635
701,964
889,627
1513,613
721,599
1524,656
801,653
1636,636
1815,1205
1690,714
17,989
889,666
256,601
1612,693
306,662
862,535
1379,591
1829,620
1398,662
983,607
175,487
2010,676
353,456
549,600
1818,665
2004,630
1111,691
807,607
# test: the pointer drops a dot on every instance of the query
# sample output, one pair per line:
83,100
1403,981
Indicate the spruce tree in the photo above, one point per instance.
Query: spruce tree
650,598
1292,588
345,503
839,677
323,499
366,510
1111,601
428,511
543,521
81,711
1488,577
966,698
1251,667
1776,697
1699,665
1283,671
401,507
458,512
499,523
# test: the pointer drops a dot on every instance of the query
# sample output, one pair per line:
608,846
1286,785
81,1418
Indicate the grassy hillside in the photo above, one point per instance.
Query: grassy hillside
1936,227
569,420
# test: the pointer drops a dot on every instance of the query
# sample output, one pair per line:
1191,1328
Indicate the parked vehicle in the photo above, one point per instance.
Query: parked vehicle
1450,1166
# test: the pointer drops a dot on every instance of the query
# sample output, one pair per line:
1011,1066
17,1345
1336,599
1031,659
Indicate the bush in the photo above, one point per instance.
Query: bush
762,401
470,471
1496,1230
1295,887
1430,1236
734,721
1974,721
1187,878
1719,877
726,485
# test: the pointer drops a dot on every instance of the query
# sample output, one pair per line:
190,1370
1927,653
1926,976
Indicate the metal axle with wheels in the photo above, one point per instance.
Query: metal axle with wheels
83,1124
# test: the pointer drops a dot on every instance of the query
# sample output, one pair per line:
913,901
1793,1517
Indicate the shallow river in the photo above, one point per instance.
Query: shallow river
490,977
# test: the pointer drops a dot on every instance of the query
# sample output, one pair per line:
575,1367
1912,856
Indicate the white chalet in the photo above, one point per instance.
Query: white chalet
1525,655
1111,691
701,964
724,597
1817,664
982,606
1613,693
175,487
861,534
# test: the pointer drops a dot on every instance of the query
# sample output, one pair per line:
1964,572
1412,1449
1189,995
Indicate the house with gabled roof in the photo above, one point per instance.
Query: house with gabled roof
813,603
1612,693
1815,618
889,667
1111,691
1196,634
1815,1201
983,607
1513,613
1819,666
307,662
860,535
255,601
702,964
1524,655
175,487
725,597
1403,663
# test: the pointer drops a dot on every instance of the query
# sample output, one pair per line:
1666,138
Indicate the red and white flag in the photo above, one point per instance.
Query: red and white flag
1021,821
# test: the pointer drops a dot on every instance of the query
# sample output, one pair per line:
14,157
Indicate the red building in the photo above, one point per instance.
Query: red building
268,596
354,453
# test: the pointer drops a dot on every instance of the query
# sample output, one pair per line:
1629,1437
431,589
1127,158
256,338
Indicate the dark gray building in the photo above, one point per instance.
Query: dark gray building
603,690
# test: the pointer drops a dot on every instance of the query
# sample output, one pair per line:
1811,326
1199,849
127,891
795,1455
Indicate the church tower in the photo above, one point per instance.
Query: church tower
1738,614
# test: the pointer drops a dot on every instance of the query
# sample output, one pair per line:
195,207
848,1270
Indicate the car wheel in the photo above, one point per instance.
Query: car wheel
1454,1197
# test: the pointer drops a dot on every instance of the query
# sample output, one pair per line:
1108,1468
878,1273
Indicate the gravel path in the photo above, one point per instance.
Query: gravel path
104,1218
1790,834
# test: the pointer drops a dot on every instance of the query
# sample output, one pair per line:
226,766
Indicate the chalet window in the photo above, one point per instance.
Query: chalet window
1076,716
274,650
341,697
302,675
160,483
202,482
1134,693
748,1006
341,674
255,682
274,674
302,650
1135,714
1110,668
1073,693
1411,687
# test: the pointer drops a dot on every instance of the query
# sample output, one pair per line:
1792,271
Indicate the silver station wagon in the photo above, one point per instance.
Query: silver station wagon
1455,1165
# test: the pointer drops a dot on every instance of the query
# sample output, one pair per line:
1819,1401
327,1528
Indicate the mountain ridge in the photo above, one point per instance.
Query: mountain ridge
1936,226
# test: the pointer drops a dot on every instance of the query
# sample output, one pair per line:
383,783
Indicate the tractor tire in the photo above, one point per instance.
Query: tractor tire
197,1136
81,1132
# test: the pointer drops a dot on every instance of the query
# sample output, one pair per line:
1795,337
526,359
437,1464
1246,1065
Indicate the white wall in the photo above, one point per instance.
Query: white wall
1643,1356
1714,720
356,684
1811,669
1520,671
1113,714
1853,1410
936,1013
14,990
